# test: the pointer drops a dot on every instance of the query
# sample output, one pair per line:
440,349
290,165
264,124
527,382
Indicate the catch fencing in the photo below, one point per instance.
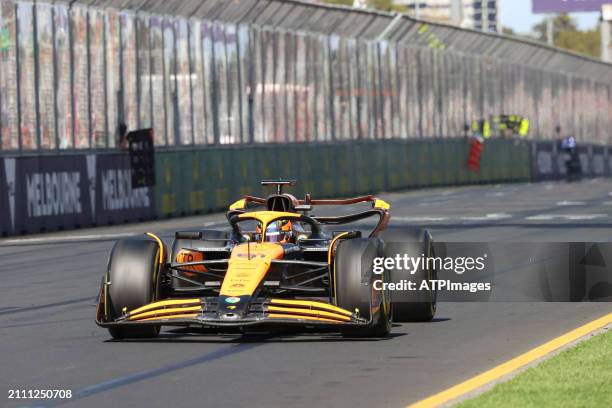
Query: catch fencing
217,72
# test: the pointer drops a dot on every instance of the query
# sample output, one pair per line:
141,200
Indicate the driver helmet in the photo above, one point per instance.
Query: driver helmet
279,231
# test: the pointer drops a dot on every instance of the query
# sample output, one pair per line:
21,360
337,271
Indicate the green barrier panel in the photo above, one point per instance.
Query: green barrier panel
456,164
294,168
327,177
355,158
245,176
220,170
392,160
210,179
378,167
351,171
404,176
264,168
308,166
210,182
513,154
522,168
395,160
411,165
413,151
372,157
190,198
256,155
437,163
201,199
407,177
488,167
488,151
406,171
459,160
494,159
428,164
167,177
343,162
376,155
360,166
310,171
448,171
423,157
459,148
499,166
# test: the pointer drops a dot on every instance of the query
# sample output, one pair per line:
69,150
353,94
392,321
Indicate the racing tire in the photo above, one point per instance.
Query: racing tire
354,286
418,305
133,276
195,243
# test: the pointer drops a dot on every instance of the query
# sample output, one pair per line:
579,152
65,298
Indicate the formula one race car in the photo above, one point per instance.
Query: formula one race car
276,265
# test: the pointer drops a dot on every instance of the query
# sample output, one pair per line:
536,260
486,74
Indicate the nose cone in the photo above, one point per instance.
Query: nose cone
248,265
233,307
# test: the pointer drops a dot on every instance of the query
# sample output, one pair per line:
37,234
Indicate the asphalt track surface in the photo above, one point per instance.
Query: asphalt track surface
49,340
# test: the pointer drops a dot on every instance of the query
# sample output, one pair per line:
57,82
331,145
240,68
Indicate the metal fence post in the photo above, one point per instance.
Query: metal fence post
18,75
36,74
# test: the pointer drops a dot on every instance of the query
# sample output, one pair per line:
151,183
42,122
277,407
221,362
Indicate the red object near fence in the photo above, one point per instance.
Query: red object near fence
475,155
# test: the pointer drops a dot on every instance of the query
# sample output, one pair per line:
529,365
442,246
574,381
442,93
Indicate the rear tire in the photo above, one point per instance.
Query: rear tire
354,286
419,305
133,277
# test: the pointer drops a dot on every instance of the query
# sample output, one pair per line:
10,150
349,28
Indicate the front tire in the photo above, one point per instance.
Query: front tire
133,276
354,286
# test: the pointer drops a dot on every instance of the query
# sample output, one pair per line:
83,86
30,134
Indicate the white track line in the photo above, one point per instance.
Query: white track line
419,219
569,217
570,203
487,217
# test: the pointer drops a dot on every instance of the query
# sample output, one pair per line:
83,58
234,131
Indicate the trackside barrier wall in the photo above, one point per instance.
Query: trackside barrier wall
219,176
47,193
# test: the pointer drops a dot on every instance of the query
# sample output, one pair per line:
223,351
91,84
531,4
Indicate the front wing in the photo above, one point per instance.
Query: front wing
202,312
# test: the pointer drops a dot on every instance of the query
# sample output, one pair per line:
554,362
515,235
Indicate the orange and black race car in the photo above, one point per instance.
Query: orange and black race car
275,265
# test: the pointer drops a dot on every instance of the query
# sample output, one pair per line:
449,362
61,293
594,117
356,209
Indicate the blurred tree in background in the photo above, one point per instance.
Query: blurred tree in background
342,2
566,34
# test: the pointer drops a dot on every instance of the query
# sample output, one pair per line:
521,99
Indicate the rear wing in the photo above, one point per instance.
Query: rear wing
380,208
309,202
